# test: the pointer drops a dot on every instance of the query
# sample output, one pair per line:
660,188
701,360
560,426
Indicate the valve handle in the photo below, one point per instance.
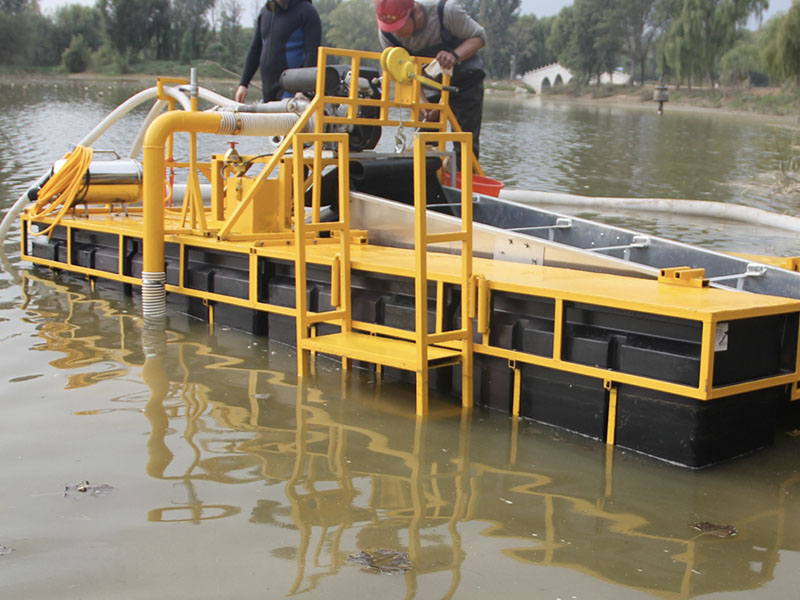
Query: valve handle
397,62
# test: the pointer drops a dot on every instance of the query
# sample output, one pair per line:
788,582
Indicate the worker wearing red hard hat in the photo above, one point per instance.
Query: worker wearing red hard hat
441,29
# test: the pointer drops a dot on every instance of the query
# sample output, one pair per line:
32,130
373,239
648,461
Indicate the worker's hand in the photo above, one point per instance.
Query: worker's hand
241,94
429,115
446,59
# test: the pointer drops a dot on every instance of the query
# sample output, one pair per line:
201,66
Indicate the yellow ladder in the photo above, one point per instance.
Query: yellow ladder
426,350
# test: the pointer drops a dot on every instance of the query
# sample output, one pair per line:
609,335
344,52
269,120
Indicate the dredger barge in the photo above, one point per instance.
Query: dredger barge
327,245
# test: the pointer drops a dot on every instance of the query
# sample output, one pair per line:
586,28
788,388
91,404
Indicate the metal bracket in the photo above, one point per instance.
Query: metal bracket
752,270
638,241
683,276
561,223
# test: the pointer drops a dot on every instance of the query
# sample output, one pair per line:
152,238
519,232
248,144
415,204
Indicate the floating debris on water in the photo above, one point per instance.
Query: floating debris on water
5,550
714,529
382,561
84,488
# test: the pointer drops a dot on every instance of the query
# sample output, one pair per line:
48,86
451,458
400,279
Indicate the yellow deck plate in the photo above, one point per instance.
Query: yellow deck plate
401,354
627,293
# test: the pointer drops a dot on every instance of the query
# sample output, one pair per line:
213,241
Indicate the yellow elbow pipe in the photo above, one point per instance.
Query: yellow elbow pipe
153,274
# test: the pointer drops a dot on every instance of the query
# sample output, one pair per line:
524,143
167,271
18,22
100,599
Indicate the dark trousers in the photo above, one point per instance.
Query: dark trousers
467,107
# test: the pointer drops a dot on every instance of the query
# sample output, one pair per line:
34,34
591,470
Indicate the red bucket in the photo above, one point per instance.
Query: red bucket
480,184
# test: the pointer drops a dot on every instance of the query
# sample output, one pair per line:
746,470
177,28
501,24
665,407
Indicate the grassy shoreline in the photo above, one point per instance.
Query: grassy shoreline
778,102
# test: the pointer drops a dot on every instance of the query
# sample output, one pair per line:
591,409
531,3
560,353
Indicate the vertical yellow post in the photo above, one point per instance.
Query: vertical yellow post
517,392
316,177
421,274
558,328
344,234
345,294
466,267
708,337
795,390
300,257
355,69
611,427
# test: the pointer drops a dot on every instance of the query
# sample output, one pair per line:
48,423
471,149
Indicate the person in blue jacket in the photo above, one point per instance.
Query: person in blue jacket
287,35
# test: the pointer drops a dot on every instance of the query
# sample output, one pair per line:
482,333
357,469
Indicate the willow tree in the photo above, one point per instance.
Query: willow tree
705,29
782,52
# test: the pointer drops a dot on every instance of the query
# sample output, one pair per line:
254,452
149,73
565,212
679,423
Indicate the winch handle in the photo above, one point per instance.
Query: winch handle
398,63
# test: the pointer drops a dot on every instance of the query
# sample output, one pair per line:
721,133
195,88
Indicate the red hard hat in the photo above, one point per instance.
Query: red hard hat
392,14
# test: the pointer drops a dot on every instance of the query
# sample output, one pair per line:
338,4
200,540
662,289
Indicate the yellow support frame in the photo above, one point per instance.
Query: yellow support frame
341,315
461,338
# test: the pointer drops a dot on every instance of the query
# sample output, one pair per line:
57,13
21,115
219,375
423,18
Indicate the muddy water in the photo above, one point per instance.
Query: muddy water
230,480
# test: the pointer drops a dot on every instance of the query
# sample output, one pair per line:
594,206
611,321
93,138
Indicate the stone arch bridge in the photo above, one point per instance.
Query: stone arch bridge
548,76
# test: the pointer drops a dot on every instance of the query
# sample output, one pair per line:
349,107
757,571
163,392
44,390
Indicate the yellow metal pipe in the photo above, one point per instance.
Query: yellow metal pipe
611,427
153,176
336,279
483,305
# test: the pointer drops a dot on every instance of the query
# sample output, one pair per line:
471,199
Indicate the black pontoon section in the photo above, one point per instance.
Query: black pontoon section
536,355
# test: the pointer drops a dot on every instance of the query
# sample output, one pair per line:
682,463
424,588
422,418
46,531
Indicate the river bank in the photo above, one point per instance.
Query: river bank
772,101
781,102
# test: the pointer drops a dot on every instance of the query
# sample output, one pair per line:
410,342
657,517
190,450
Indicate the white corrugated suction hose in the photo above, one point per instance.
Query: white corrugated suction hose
154,295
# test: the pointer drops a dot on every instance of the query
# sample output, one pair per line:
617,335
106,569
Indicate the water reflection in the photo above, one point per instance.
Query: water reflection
345,465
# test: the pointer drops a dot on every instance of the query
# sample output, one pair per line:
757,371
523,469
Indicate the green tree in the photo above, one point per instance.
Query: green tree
586,38
190,26
638,20
44,50
15,31
706,29
527,42
15,7
782,52
766,37
75,19
76,56
231,36
497,18
131,25
325,8
742,62
352,25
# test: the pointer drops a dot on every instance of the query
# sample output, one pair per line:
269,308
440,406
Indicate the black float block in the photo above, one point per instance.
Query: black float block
775,336
492,382
282,328
564,399
107,259
695,433
592,351
657,361
242,318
